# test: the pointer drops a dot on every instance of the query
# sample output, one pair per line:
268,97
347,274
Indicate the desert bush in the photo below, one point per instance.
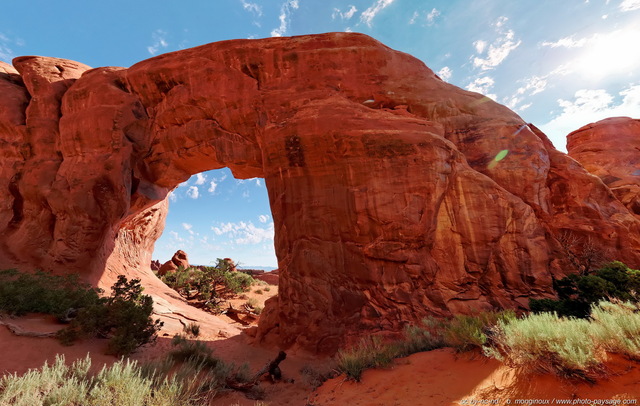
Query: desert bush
124,318
41,292
123,383
617,327
463,333
466,332
426,336
192,329
370,352
547,343
315,377
204,283
569,347
199,356
576,293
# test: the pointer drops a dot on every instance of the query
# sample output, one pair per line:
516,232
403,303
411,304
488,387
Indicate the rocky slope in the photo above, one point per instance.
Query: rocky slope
390,189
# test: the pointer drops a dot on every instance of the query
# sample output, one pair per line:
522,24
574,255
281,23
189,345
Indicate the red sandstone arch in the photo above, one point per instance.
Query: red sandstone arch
385,206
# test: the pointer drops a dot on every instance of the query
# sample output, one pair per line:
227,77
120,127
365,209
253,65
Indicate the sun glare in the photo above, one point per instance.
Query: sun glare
610,54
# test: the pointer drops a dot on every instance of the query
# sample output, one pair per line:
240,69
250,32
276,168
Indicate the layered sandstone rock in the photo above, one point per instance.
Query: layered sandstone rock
610,149
390,190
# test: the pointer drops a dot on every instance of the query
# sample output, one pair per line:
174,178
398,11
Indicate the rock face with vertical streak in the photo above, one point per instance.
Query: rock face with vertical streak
391,193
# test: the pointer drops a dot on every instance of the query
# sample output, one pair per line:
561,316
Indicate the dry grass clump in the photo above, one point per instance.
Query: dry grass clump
370,352
569,347
461,332
124,383
189,375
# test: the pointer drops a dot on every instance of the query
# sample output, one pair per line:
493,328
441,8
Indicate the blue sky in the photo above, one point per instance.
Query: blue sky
559,64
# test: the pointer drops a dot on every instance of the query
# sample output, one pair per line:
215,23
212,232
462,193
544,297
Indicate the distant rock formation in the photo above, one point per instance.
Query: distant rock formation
155,265
394,195
179,260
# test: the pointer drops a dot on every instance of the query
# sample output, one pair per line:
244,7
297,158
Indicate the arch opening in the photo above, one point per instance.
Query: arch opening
214,215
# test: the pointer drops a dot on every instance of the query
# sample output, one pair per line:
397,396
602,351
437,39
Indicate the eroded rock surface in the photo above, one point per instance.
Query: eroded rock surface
390,190
610,149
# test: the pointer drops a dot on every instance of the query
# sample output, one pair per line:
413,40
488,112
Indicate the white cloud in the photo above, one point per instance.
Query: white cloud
212,187
200,179
176,237
498,50
188,227
630,5
252,7
601,54
369,14
344,15
566,42
159,42
480,46
445,73
431,17
6,53
258,182
263,218
173,197
414,17
524,107
482,85
589,106
285,13
245,232
193,192
501,21
533,85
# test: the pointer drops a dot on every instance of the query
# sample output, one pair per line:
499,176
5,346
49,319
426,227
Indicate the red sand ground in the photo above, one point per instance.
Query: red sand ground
442,377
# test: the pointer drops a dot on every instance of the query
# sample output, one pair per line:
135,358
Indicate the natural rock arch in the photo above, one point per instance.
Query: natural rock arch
387,200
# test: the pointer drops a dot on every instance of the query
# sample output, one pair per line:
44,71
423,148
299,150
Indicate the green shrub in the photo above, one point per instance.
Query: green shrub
204,283
41,292
576,293
124,318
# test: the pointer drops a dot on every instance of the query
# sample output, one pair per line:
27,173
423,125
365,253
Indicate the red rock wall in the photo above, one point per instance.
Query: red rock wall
610,149
387,199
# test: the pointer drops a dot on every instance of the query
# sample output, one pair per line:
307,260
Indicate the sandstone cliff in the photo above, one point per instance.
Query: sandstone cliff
390,190
610,149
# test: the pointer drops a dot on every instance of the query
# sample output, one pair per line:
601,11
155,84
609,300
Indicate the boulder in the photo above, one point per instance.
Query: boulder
179,260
